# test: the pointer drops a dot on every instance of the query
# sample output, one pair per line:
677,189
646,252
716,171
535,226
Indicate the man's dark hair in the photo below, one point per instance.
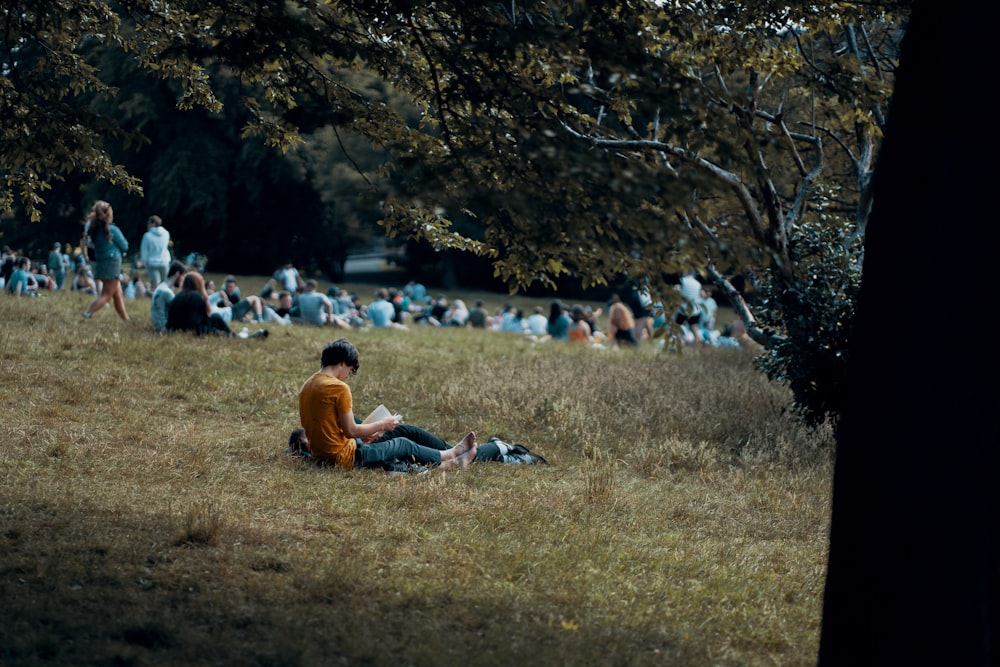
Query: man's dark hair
175,268
340,351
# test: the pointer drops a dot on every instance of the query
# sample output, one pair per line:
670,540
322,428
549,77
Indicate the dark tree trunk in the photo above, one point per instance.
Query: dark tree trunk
913,569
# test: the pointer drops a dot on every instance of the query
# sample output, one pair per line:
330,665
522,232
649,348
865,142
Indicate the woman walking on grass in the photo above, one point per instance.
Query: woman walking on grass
101,235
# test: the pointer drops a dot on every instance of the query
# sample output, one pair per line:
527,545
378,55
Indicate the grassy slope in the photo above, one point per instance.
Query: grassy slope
147,515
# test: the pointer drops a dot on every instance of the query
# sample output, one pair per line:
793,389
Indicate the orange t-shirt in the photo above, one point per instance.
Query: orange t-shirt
322,400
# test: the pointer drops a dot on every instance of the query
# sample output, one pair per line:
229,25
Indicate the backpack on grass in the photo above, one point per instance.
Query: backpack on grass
515,453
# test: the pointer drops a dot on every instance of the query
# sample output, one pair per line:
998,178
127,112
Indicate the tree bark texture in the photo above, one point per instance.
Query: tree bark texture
913,566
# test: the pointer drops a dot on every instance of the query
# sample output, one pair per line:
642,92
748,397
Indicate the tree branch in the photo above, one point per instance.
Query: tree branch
728,178
766,338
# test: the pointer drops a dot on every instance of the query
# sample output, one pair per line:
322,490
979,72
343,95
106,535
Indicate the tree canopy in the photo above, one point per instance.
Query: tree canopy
554,137
619,137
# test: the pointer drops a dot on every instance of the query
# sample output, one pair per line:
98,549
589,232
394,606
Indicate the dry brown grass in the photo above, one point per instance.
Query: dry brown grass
147,515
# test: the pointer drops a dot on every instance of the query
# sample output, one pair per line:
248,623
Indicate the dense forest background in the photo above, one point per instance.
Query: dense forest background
605,142
246,206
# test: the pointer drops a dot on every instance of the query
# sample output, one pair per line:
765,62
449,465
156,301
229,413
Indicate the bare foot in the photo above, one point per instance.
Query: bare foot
467,442
463,460
462,454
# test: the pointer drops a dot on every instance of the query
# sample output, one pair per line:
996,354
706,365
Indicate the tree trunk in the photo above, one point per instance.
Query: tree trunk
913,567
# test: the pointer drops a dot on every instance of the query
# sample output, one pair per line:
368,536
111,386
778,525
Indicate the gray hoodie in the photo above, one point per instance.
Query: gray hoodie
155,249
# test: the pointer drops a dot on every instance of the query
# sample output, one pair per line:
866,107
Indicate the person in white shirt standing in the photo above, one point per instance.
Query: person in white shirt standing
689,311
155,251
288,278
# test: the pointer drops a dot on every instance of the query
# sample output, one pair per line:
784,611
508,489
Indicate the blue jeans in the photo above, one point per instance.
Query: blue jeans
485,452
395,449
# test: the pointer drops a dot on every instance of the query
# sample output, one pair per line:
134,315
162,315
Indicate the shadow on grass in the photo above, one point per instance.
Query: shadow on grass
89,588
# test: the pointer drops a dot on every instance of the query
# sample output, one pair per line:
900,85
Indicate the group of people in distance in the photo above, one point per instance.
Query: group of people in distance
21,276
190,308
288,298
632,316
97,268
98,272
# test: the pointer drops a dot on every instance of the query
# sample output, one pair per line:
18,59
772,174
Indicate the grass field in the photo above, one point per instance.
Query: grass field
149,517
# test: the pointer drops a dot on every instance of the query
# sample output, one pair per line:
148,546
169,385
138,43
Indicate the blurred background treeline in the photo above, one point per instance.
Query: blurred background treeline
246,206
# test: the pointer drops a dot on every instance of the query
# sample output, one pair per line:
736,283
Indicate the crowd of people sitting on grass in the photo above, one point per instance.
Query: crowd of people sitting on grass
632,318
629,318
24,276
181,298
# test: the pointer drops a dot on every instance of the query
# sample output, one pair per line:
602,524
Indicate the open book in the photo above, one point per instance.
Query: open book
381,412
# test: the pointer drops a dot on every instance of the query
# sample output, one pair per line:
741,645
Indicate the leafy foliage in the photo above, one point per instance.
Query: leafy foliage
644,142
627,139
49,129
815,307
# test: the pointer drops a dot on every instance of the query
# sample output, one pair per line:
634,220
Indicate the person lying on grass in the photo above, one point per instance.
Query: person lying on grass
326,412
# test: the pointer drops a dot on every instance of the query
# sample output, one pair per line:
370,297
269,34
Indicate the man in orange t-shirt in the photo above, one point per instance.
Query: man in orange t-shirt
326,411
